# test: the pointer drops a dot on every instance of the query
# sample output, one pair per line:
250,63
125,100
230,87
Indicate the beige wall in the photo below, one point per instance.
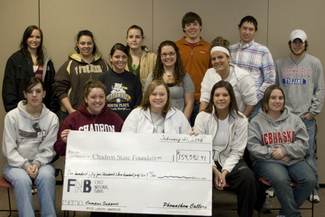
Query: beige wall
61,20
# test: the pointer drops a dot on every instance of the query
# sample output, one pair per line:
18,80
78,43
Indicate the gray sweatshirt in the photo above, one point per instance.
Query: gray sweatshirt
288,133
302,83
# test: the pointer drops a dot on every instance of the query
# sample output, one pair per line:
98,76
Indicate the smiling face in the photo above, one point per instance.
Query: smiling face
276,101
192,31
220,61
246,32
85,45
297,47
134,39
35,95
221,99
34,40
95,100
168,56
158,99
118,60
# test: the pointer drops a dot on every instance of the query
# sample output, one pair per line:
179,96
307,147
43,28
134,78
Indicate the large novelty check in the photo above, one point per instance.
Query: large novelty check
138,173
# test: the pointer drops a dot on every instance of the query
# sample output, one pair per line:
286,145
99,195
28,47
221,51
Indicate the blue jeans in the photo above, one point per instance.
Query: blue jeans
310,156
255,111
45,183
280,176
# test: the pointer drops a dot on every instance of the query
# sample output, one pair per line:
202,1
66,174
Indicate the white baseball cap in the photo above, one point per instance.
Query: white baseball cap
298,33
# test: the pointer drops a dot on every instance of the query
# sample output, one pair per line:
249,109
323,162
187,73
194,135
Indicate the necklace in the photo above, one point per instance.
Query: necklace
297,61
94,119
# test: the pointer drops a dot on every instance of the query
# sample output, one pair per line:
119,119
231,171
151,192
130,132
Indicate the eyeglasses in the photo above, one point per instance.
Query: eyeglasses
166,54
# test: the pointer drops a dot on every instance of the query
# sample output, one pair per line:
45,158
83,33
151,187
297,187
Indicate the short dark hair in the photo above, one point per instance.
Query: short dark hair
86,33
233,102
119,46
267,95
249,19
32,82
191,17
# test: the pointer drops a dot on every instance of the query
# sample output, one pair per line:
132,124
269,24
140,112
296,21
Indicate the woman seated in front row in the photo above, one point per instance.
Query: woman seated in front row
277,142
156,114
228,127
29,134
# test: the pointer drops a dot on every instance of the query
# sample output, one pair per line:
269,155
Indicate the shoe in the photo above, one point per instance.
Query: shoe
270,192
280,216
267,205
316,198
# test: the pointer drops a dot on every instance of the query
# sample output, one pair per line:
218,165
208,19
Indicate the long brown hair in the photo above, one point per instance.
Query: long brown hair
145,103
267,95
233,102
24,46
179,72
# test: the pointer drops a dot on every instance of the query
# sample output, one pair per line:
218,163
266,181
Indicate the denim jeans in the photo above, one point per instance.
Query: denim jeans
310,156
195,111
255,111
280,176
45,183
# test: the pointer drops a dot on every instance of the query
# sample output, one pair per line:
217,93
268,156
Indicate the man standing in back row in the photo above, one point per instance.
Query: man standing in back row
195,54
254,58
300,76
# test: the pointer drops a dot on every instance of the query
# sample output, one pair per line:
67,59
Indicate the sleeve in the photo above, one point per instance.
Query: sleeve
131,122
9,143
62,83
318,96
148,81
46,148
138,91
199,125
277,71
248,90
53,103
237,144
59,145
255,144
268,71
205,87
9,93
188,84
185,125
298,148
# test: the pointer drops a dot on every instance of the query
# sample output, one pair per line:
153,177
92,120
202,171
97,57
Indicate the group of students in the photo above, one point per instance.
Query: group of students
142,93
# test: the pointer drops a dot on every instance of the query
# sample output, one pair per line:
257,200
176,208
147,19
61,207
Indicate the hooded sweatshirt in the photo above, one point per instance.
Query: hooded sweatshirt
82,120
288,133
69,81
241,81
28,140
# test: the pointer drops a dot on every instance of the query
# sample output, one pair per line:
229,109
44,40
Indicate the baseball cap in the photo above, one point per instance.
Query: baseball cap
298,33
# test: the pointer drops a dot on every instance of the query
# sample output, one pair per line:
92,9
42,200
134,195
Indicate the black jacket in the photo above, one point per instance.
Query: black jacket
18,69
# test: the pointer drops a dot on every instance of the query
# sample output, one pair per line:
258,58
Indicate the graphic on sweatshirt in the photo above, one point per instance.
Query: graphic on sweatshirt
118,99
38,134
294,75
278,137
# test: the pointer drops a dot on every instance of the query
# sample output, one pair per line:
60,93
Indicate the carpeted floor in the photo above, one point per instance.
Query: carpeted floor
222,200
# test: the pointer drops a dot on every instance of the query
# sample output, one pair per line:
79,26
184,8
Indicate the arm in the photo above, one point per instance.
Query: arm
203,106
189,104
205,91
237,143
148,81
67,105
46,148
318,92
248,94
268,71
61,140
219,179
298,148
9,143
248,110
131,122
9,94
52,99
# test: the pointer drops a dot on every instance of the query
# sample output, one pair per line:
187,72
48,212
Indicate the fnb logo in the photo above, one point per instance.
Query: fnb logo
83,186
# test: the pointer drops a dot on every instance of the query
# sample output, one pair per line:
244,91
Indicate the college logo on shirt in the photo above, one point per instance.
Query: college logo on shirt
118,99
278,137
